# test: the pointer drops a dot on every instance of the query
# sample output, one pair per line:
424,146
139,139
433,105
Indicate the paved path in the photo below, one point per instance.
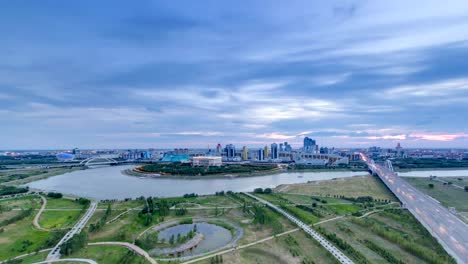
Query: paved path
90,261
38,215
55,253
449,230
132,247
342,258
122,214
25,255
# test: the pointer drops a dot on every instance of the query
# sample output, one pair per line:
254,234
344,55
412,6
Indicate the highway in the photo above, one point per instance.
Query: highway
55,253
342,258
448,229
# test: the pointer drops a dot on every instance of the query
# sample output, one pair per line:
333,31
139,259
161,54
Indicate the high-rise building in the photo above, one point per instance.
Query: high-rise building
287,147
266,152
274,151
260,155
218,148
281,147
309,145
230,151
245,153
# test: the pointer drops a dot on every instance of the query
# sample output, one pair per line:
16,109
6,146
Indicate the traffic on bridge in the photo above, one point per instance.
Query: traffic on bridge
448,229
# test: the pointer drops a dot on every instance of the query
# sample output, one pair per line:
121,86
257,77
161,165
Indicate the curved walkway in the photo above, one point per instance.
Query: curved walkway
122,214
36,218
132,247
90,261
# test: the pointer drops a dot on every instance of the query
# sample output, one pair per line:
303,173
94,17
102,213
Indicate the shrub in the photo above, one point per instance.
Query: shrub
54,195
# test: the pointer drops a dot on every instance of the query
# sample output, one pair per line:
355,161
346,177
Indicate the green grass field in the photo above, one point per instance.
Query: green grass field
342,209
20,238
62,203
348,187
59,219
109,255
448,195
22,202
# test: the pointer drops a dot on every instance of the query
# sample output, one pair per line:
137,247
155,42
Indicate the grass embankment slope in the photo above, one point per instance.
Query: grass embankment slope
349,187
448,195
19,236
25,176
64,213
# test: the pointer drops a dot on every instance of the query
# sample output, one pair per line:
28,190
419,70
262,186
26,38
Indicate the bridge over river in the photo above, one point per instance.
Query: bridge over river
448,229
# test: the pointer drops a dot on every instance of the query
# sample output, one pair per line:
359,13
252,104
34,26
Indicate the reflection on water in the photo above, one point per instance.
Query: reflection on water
110,183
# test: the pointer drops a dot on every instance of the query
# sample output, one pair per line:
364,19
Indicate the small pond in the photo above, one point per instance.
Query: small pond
214,237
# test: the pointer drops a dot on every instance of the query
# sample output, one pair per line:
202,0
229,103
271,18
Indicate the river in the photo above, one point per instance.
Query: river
111,183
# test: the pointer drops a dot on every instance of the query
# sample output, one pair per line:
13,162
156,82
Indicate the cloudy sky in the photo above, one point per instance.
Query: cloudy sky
98,74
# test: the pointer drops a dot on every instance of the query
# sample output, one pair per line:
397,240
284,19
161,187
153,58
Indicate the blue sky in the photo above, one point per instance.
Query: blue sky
121,74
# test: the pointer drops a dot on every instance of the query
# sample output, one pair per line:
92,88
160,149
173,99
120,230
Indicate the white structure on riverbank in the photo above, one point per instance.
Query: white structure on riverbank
207,161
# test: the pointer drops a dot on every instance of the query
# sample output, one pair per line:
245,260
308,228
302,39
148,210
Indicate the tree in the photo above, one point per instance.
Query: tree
54,195
258,190
267,191
466,188
431,185
171,240
75,243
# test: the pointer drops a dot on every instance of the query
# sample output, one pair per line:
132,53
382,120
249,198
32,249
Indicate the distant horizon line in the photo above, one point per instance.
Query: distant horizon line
198,148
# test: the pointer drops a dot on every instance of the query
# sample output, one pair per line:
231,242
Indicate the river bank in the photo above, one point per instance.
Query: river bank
136,173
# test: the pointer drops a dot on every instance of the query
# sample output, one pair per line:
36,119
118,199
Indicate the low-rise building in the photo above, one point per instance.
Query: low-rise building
207,161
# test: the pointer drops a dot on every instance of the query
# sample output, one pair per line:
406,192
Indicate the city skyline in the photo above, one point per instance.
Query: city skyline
165,75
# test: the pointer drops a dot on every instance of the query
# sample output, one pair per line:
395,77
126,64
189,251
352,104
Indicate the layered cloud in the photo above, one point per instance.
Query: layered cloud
160,74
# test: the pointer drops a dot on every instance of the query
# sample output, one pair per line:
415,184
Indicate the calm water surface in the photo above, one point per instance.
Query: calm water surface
110,183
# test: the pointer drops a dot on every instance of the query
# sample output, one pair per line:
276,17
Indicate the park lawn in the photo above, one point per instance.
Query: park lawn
274,199
342,209
349,187
122,205
59,219
8,214
62,203
303,215
462,181
448,195
21,238
308,199
214,200
34,258
109,255
22,202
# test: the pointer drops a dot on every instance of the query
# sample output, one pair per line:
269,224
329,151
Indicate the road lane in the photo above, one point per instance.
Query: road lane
449,230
